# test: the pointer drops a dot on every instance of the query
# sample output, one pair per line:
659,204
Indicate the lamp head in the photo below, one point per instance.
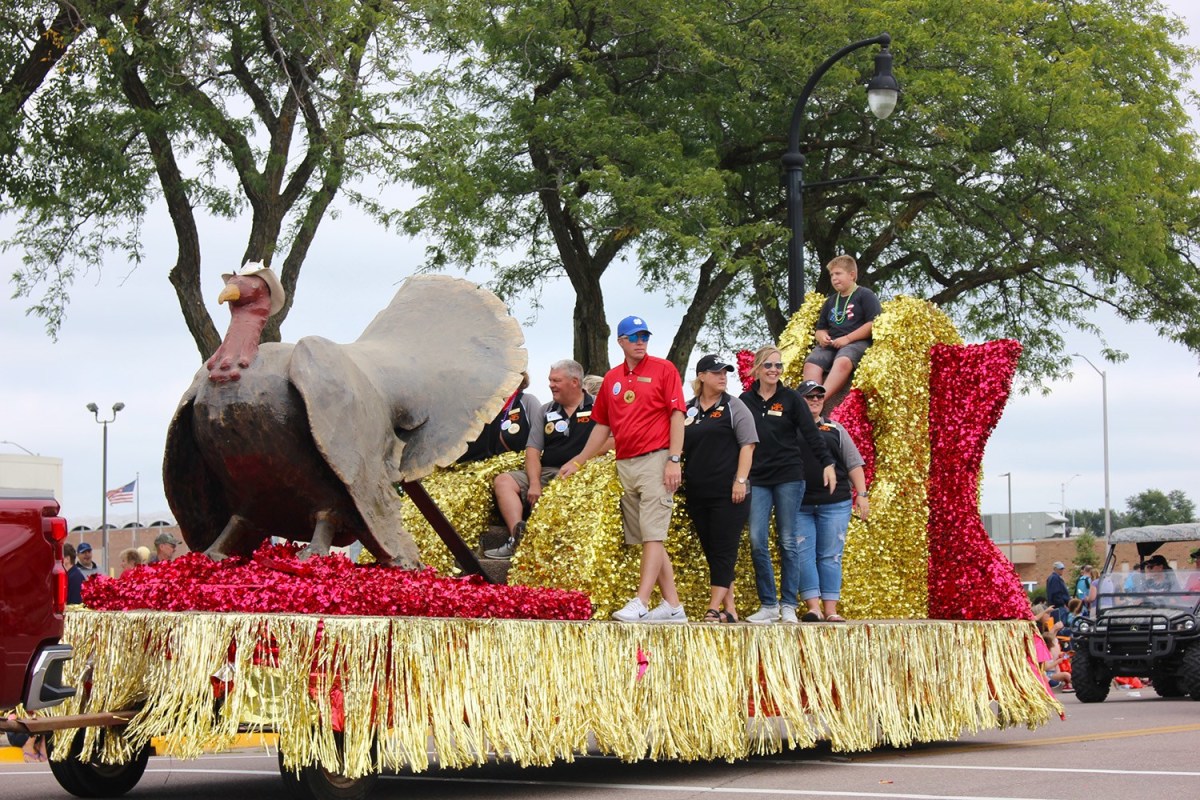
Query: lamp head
92,407
117,407
883,91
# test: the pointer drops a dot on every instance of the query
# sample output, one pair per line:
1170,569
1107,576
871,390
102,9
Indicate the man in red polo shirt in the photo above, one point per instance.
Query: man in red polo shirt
641,404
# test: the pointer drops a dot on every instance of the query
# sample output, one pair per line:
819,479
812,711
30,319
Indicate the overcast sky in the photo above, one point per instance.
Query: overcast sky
124,340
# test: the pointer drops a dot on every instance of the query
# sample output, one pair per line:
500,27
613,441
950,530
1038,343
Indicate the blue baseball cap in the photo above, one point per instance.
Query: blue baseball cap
631,325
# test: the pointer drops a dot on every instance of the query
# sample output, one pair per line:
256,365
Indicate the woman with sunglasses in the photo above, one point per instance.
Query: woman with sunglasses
825,516
785,431
718,448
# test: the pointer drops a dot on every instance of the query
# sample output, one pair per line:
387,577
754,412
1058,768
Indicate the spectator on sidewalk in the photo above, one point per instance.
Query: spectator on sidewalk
1057,593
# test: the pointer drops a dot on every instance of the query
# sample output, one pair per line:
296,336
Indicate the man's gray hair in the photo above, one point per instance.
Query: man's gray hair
573,368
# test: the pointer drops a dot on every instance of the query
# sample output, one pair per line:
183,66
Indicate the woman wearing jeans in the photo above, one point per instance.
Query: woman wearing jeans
824,517
785,431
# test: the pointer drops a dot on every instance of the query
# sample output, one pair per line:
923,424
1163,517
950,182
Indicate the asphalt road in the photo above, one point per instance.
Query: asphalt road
1135,745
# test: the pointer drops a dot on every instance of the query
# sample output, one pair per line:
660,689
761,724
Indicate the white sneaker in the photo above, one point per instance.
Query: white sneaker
766,614
663,612
788,614
633,611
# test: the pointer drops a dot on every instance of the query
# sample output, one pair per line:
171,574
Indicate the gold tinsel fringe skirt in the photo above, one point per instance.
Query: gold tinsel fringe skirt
359,695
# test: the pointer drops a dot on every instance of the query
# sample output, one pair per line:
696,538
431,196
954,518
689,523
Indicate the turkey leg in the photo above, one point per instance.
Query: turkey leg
239,537
322,537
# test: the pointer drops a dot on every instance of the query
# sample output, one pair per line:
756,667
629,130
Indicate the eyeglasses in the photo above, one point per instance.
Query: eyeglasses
811,397
635,338
772,365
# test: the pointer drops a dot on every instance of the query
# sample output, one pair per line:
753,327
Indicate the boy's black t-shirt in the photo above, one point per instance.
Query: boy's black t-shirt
843,315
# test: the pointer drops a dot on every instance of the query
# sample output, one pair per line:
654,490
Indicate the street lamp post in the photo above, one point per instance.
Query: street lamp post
1063,501
14,444
1104,406
1010,541
92,407
882,94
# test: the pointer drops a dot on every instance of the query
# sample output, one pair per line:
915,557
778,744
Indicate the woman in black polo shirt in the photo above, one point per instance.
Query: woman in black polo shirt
785,431
718,448
825,516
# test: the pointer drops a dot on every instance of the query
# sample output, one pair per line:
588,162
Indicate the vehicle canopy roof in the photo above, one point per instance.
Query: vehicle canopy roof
1159,534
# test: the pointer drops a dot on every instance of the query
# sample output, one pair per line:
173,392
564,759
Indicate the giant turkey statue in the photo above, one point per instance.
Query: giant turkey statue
307,440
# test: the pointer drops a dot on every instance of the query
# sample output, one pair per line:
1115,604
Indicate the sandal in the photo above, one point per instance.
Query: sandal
727,617
835,618
712,615
812,616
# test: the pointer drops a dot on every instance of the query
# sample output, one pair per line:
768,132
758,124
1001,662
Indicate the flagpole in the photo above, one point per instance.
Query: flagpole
137,494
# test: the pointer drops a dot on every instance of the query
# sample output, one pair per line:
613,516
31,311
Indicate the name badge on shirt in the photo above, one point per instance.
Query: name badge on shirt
553,415
644,379
774,413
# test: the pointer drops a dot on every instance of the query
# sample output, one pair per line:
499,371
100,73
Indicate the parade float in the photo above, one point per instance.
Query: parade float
365,668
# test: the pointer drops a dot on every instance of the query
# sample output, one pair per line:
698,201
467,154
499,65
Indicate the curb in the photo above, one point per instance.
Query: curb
14,755
11,755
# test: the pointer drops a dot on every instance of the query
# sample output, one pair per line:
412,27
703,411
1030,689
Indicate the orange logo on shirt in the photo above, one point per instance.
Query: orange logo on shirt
777,406
715,415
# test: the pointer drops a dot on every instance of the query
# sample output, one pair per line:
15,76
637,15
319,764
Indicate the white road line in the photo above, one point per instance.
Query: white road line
899,765
683,788
1089,771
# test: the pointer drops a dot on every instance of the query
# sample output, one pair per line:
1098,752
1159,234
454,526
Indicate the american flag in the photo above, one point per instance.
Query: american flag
123,494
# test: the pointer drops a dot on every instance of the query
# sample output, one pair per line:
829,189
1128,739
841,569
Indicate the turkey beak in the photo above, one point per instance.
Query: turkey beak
230,293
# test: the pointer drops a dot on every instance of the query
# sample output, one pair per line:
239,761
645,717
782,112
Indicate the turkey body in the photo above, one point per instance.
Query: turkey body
255,438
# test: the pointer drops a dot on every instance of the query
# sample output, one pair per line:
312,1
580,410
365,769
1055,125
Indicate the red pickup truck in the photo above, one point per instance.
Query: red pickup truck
32,603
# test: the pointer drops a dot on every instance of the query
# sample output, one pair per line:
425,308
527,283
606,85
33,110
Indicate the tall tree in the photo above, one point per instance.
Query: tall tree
1039,165
214,107
1153,507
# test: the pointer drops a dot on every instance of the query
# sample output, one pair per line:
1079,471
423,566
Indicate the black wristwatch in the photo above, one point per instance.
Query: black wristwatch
674,459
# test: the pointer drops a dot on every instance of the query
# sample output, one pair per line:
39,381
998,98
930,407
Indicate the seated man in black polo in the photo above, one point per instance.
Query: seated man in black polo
558,431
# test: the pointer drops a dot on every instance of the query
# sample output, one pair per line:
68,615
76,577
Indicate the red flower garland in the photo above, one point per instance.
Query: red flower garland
274,581
969,578
745,363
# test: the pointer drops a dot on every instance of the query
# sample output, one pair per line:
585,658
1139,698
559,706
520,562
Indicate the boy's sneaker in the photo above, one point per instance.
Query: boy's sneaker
765,614
664,612
633,611
788,614
507,549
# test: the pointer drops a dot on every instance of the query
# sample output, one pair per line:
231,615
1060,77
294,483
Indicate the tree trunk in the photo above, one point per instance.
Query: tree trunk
710,285
185,275
591,328
584,269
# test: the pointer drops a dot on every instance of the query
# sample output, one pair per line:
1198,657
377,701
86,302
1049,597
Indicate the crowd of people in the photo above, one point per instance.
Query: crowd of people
770,452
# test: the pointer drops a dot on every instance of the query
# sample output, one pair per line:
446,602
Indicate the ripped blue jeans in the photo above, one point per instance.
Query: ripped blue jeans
821,532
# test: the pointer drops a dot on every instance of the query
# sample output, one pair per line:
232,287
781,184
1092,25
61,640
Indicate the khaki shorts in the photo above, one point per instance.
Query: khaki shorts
522,478
645,502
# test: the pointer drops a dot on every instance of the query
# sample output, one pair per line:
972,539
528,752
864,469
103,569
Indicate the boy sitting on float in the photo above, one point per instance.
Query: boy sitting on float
843,331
